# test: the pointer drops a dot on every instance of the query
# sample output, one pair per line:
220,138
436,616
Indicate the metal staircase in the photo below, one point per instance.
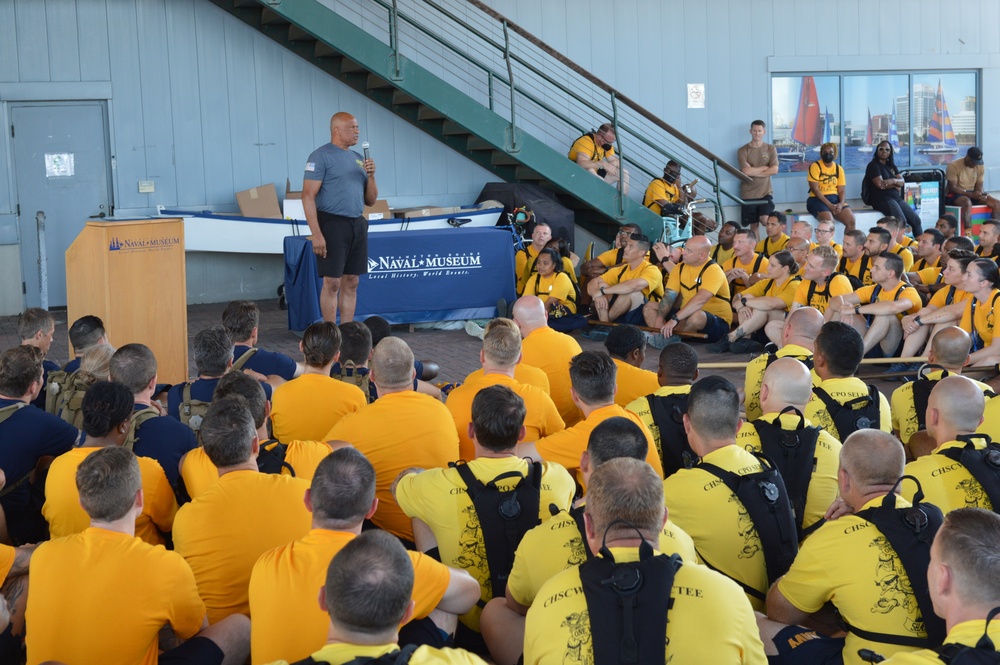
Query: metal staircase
470,103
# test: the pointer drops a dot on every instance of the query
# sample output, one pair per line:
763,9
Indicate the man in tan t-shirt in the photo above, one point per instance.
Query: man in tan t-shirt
965,185
758,160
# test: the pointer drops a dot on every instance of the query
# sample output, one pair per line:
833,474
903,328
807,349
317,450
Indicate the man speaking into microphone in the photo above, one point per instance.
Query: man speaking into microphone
337,185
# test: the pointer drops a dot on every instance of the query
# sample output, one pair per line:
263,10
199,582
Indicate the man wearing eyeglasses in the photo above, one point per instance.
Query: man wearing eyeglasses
595,152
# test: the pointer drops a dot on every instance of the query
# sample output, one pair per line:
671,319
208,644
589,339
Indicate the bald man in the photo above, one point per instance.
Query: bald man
948,355
799,247
549,351
696,298
337,185
798,340
850,563
954,411
810,466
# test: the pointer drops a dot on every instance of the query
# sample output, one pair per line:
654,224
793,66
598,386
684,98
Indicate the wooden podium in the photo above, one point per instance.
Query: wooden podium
131,274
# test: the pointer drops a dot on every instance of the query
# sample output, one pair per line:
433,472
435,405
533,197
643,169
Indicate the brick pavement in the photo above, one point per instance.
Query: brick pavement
456,352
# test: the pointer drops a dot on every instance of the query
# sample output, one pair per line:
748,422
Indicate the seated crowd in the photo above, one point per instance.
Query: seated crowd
328,509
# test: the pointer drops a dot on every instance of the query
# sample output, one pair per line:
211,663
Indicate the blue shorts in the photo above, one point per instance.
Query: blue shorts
633,317
196,651
716,328
796,644
815,206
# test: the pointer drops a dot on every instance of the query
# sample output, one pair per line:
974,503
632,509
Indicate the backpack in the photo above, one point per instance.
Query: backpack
271,458
667,412
866,192
400,657
192,411
349,373
984,653
859,413
922,388
629,604
910,532
772,355
765,498
69,402
239,363
984,465
856,282
56,383
136,421
794,454
504,517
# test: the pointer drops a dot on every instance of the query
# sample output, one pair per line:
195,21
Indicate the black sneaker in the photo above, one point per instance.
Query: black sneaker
745,345
722,346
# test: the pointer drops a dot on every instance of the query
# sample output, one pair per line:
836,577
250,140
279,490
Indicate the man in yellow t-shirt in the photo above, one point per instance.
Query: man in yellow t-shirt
441,501
137,587
523,373
288,623
836,359
965,546
563,624
549,351
595,152
676,373
620,294
593,374
876,311
850,563
560,542
827,189
723,250
819,283
666,195
954,411
300,457
776,238
784,393
224,531
524,259
700,503
824,236
695,299
855,261
500,356
401,429
368,595
949,350
929,250
893,225
626,345
598,265
798,339
745,267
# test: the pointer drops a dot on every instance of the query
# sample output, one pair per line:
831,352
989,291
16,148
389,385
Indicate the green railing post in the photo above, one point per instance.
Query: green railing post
621,160
394,39
510,78
489,87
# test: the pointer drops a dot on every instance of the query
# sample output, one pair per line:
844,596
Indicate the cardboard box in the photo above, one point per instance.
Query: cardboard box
259,202
292,206
425,212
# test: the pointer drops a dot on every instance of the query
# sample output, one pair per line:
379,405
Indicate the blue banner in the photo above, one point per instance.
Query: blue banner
413,276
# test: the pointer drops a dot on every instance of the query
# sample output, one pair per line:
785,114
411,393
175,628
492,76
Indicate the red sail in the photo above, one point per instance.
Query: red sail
808,130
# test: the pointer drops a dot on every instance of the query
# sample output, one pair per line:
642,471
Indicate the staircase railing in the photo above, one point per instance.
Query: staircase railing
516,75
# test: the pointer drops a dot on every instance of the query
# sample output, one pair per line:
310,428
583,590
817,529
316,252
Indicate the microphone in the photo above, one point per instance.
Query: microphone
364,146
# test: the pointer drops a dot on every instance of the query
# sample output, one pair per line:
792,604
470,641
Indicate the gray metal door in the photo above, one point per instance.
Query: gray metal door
61,167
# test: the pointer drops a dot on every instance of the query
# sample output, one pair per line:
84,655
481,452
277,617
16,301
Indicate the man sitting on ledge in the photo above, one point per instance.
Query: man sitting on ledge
620,294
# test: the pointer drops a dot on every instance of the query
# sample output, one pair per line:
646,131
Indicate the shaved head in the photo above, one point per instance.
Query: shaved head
804,323
872,458
950,347
788,383
959,404
529,312
797,244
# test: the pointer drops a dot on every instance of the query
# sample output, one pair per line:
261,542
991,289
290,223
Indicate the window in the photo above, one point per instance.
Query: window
929,117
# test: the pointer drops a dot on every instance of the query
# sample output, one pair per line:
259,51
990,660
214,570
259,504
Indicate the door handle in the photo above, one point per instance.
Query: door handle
98,216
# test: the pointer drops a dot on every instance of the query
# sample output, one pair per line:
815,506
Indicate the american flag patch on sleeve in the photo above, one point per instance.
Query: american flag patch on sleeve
311,166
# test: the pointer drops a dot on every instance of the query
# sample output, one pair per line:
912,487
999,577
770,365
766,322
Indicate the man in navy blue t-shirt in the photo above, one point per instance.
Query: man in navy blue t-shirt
85,333
27,435
241,320
35,327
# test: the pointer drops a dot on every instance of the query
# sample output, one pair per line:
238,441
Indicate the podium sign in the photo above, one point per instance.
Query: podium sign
131,274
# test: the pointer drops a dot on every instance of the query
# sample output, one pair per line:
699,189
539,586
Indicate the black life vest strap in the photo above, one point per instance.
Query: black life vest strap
910,532
504,517
983,465
576,513
834,408
950,652
765,498
794,453
977,339
701,274
638,595
400,657
922,388
675,451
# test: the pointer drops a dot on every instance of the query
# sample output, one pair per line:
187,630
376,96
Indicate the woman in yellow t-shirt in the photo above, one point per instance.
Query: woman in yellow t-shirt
826,189
979,318
767,300
552,285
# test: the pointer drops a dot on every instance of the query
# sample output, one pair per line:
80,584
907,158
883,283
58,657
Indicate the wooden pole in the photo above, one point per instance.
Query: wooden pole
610,324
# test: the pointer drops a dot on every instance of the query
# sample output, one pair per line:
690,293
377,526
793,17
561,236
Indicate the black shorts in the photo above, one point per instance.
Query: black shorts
346,245
753,213
196,651
796,645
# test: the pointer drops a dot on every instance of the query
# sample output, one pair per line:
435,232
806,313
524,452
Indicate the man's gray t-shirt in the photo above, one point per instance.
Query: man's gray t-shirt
343,176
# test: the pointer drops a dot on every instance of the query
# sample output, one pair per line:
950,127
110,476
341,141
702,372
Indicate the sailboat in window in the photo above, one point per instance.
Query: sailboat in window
869,137
940,135
893,133
808,130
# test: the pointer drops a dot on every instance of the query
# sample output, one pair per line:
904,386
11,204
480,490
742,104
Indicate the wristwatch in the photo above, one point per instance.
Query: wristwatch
602,291
857,309
743,300
673,317
918,320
